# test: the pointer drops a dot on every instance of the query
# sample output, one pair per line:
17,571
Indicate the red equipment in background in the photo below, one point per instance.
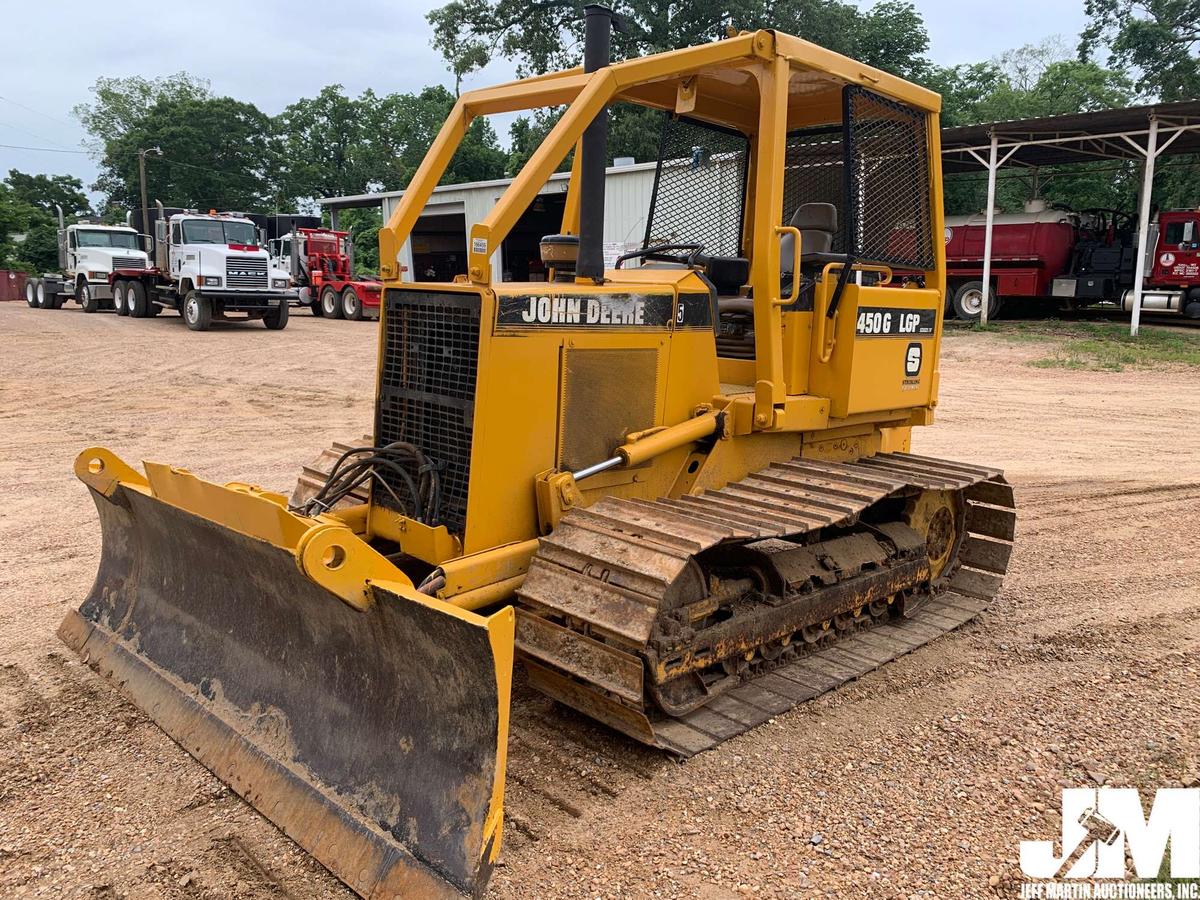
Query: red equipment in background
1074,259
12,285
321,263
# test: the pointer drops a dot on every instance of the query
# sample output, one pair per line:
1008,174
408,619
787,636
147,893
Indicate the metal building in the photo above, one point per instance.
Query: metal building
437,249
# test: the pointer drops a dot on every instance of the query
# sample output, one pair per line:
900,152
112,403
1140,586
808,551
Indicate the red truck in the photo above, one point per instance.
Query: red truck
321,263
1077,259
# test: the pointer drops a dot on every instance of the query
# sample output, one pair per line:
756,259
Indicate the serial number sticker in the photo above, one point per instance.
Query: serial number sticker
878,321
479,245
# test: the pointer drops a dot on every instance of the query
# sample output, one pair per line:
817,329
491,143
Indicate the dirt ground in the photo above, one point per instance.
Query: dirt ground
917,781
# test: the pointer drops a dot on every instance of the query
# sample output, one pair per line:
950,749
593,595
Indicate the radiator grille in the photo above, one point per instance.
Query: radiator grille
246,272
427,389
128,262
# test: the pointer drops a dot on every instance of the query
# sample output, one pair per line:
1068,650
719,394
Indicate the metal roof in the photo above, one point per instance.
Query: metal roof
1072,138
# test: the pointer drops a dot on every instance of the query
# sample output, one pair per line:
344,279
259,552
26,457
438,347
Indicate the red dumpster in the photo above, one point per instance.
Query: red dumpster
12,285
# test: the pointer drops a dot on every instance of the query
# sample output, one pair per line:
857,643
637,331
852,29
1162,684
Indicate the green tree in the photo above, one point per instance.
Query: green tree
120,104
548,36
403,127
15,215
45,192
363,225
1029,82
216,152
29,222
1156,38
325,144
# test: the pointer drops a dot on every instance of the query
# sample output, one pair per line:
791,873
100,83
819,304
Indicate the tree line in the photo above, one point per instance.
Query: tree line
223,152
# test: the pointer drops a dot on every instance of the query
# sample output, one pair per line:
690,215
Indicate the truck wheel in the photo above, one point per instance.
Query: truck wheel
352,307
120,289
277,318
331,304
86,298
197,312
1192,310
968,302
136,301
40,292
31,297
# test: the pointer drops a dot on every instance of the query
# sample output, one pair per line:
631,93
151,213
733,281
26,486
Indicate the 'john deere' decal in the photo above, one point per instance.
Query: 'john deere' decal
882,321
586,310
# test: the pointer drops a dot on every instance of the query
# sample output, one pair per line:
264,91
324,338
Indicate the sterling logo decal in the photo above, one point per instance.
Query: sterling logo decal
598,310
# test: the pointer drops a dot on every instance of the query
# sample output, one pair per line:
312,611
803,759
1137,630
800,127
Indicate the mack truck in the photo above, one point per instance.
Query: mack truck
88,254
1077,259
206,266
321,264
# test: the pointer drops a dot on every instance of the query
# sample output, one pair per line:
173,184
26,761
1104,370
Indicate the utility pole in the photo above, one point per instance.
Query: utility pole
157,151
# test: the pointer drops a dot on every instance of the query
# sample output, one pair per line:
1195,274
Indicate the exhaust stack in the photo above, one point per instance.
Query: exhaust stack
598,25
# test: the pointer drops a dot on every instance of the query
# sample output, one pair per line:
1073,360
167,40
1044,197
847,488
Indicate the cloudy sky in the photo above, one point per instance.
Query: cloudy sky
272,53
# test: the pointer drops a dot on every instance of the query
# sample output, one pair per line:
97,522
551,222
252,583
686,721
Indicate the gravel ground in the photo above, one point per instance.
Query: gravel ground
919,780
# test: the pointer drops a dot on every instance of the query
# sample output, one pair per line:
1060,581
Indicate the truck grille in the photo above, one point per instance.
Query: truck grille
427,390
127,262
246,272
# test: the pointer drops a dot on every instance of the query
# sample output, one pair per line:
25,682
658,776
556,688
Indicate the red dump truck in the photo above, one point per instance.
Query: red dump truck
1073,259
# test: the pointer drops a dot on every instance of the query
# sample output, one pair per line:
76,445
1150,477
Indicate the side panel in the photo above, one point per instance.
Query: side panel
884,351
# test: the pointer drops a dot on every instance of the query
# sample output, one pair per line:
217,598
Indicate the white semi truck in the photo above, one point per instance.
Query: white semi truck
204,265
207,266
88,254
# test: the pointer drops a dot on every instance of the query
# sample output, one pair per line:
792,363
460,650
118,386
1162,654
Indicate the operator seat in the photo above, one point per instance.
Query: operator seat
818,223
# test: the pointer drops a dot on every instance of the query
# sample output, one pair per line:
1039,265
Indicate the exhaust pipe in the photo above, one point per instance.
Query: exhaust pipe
598,25
62,224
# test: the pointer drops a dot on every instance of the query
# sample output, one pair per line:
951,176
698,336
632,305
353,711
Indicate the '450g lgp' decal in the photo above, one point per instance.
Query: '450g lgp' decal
881,321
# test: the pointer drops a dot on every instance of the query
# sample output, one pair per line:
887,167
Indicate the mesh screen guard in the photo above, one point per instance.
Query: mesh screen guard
888,191
699,187
873,167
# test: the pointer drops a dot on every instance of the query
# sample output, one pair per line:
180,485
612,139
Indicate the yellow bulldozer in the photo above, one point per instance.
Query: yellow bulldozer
675,486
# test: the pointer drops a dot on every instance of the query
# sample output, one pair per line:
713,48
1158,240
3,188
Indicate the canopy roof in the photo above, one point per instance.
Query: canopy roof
1074,138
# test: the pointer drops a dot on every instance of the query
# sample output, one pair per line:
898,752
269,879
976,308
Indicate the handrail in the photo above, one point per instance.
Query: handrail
781,230
820,317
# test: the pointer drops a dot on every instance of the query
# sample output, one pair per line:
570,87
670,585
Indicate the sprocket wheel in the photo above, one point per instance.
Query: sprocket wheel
938,515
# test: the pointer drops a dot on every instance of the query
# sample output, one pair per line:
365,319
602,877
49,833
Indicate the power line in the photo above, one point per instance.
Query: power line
40,137
42,149
37,112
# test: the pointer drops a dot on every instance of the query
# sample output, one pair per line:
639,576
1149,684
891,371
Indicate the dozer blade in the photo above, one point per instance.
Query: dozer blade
371,727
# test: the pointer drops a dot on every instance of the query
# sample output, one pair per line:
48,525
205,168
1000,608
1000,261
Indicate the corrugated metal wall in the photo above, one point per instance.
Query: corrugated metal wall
626,201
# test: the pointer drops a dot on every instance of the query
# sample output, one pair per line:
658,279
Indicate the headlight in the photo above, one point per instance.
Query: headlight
210,280
97,276
280,284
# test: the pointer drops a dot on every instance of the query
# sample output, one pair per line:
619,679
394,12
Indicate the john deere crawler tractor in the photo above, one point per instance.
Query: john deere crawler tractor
677,488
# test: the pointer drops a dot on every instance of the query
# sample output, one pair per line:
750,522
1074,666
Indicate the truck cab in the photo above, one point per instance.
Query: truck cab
321,263
1177,251
215,264
88,254
1172,282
